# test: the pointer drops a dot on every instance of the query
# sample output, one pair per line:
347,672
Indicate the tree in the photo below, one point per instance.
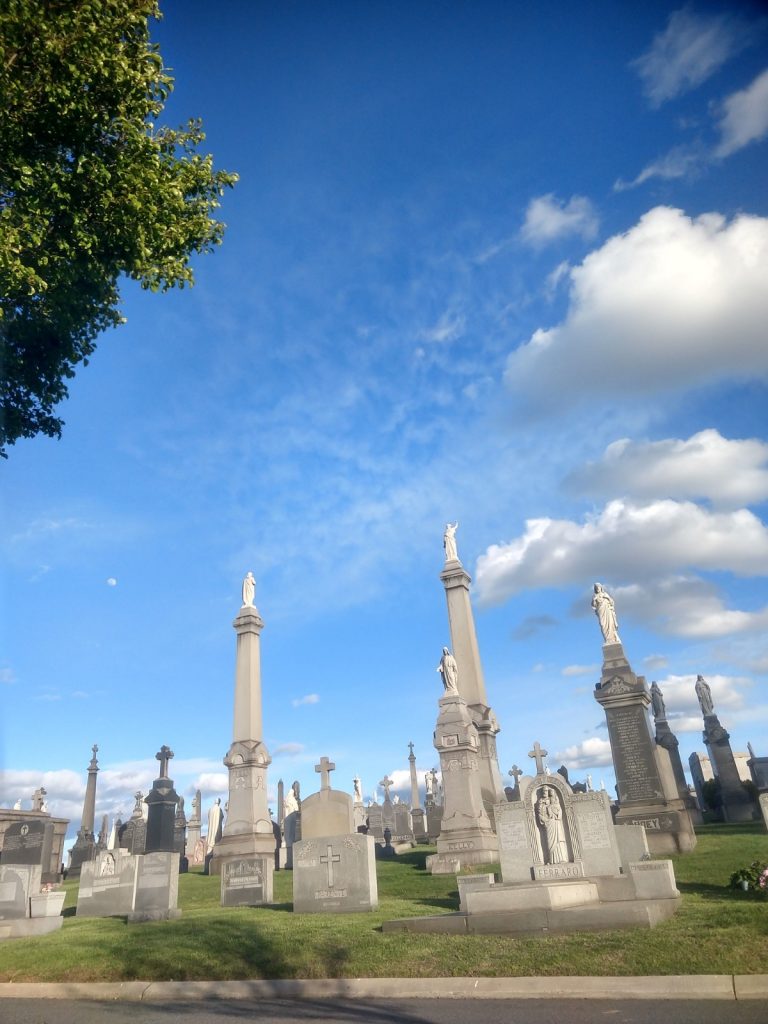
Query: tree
90,190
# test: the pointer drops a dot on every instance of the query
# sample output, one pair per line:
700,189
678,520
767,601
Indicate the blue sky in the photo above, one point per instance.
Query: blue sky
495,262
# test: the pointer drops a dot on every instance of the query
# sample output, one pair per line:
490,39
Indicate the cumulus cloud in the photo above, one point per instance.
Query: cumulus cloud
687,606
310,698
706,465
111,581
592,753
690,49
682,705
548,219
531,625
744,117
623,541
673,303
655,661
212,783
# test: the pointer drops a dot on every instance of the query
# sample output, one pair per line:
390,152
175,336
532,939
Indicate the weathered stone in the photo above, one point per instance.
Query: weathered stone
247,881
335,874
157,888
108,884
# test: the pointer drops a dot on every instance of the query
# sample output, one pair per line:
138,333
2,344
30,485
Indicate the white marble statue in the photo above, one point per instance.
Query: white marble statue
449,671
17,805
449,542
215,823
704,694
605,610
429,785
550,816
249,590
358,790
589,783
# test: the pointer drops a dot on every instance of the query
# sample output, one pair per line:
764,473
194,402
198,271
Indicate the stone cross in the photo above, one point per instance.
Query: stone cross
330,858
515,772
164,755
38,799
410,747
386,782
325,768
538,755
94,763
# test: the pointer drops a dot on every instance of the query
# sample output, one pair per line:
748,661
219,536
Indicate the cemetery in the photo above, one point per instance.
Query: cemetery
412,891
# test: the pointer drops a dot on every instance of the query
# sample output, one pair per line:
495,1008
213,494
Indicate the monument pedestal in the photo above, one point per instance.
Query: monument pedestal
737,803
466,835
666,739
645,781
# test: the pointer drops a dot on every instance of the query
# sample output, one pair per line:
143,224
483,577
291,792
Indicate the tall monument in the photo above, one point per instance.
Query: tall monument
84,847
737,804
245,854
666,738
471,683
645,781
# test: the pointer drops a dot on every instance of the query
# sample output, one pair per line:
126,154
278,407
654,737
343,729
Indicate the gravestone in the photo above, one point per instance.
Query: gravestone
17,883
132,836
633,844
247,881
328,812
403,830
375,820
335,874
194,826
161,803
84,848
108,884
28,842
157,888
763,798
666,738
736,802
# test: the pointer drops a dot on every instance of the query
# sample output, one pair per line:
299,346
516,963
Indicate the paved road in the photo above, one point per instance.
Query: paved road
406,1011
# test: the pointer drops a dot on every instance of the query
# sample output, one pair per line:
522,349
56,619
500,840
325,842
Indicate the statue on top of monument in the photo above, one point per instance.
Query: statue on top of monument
249,590
215,825
704,694
605,610
657,702
449,542
449,671
358,790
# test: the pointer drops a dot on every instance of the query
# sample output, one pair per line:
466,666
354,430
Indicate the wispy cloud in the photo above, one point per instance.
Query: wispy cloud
548,219
580,670
683,161
310,698
449,327
690,49
8,676
744,117
289,749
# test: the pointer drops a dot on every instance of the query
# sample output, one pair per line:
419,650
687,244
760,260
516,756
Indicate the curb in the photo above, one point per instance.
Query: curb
684,986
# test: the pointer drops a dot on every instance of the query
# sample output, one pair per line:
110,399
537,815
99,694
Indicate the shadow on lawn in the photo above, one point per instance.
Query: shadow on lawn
274,1008
704,889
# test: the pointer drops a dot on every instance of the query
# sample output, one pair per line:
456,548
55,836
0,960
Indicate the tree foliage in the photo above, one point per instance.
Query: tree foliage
90,189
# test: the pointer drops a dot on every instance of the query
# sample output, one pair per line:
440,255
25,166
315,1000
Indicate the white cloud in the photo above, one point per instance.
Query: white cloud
212,783
682,705
111,582
580,670
592,753
548,219
310,698
679,162
673,303
449,327
686,606
288,750
744,117
691,48
707,465
654,661
624,541
8,676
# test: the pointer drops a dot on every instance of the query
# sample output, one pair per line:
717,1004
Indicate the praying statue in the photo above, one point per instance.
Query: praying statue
249,590
704,694
449,670
550,816
215,825
657,702
449,542
605,610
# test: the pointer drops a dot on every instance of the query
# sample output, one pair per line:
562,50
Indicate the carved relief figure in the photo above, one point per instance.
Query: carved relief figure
704,694
449,542
550,816
449,671
657,702
604,609
249,590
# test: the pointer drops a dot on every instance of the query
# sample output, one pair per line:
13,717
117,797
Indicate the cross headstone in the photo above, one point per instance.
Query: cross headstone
515,772
325,768
386,782
330,858
38,799
538,755
164,755
410,747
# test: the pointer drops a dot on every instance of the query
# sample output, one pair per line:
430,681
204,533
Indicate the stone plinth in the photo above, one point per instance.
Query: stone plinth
737,804
335,874
466,835
471,682
645,781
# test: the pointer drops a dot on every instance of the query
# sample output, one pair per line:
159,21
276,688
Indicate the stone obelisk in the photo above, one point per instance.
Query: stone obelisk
417,813
645,781
245,855
84,847
456,581
666,738
737,804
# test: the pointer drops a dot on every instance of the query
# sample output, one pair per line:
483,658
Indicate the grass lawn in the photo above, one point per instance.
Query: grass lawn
716,931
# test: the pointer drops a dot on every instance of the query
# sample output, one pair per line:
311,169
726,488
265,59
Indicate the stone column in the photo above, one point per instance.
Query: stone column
645,781
194,826
466,835
245,855
417,814
737,803
84,847
456,581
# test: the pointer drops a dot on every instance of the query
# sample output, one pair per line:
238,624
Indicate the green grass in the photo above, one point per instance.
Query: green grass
716,931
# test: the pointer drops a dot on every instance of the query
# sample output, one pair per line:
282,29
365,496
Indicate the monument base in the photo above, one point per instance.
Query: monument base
463,850
29,927
668,829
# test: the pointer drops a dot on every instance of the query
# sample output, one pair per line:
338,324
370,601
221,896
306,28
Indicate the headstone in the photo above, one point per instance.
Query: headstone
403,830
108,884
763,798
434,822
633,845
132,836
247,881
375,819
335,874
328,812
157,888
161,803
17,883
28,842
194,826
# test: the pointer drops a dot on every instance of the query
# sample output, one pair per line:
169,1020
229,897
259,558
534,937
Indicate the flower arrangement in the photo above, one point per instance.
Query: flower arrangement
753,878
